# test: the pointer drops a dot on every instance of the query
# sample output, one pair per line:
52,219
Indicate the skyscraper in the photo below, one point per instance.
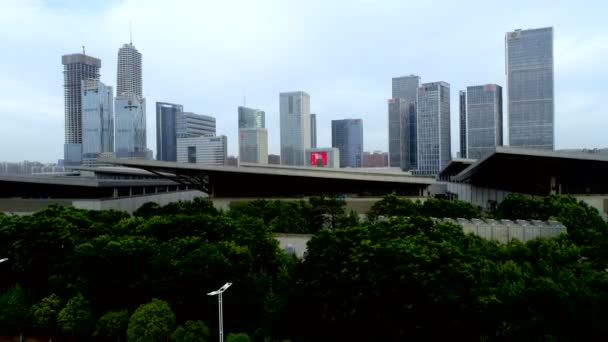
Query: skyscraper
253,137
97,120
76,68
313,130
463,123
130,106
406,87
347,136
129,74
166,130
399,133
529,69
295,127
483,120
433,127
195,125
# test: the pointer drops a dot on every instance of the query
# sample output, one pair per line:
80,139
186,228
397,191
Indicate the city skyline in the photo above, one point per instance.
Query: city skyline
212,72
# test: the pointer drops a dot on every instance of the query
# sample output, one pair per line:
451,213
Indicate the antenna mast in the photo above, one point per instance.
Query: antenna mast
83,50
130,33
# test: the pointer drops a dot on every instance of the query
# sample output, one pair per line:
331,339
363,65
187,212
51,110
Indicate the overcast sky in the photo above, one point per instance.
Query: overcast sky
204,54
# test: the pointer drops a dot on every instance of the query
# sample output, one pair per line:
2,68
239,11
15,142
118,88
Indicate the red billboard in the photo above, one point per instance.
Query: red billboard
318,158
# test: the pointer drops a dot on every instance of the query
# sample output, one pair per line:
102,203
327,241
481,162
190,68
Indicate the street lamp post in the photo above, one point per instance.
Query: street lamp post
221,310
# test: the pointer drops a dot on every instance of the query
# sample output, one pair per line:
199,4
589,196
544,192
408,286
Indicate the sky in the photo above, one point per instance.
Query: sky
213,56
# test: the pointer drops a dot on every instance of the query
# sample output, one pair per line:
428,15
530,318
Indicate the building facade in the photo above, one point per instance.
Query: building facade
530,90
203,150
347,137
375,159
274,159
398,133
483,120
313,130
253,136
406,87
129,71
76,68
97,120
323,157
130,128
195,125
434,150
166,130
463,123
295,127
253,145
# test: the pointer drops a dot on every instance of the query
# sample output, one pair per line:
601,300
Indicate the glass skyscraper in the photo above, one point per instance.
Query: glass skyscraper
313,130
130,127
463,123
483,120
76,68
397,137
529,69
295,127
347,136
253,137
166,130
405,87
97,120
434,150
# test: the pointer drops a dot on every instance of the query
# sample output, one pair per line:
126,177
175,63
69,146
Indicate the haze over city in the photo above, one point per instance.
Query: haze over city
207,56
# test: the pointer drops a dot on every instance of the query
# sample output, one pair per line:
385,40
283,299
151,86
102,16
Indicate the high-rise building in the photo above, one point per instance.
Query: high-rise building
166,130
253,136
295,127
253,145
129,74
530,91
194,125
97,120
274,159
406,87
76,68
203,150
130,127
483,120
463,123
434,150
251,118
398,134
347,137
313,130
130,106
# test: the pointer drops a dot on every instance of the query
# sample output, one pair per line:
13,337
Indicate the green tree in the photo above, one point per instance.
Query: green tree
76,318
153,321
241,337
45,312
112,325
192,331
14,312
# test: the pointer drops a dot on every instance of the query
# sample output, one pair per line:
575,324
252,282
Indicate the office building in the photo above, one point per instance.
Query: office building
295,127
323,157
274,159
400,114
433,112
375,159
203,150
313,130
129,72
194,125
130,127
483,120
97,120
347,137
253,136
166,130
76,68
253,145
530,90
251,118
463,123
406,87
